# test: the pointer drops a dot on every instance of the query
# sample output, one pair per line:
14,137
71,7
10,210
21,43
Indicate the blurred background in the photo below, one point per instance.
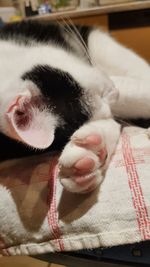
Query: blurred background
11,10
126,20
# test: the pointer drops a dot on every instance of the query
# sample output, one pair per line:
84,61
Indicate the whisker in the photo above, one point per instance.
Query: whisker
75,35
80,38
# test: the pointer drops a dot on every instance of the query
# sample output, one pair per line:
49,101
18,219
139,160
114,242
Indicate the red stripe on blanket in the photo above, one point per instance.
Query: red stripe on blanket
139,204
52,213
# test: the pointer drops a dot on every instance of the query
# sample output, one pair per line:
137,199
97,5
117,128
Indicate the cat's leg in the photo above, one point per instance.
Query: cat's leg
134,98
86,157
129,72
114,58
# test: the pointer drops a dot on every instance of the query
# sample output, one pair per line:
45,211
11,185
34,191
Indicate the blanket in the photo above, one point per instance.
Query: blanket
38,216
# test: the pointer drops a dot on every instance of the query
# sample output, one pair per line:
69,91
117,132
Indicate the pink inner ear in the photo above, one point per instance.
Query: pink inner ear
29,124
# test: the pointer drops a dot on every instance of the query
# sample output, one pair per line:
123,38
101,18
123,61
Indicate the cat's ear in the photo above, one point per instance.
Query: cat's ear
30,122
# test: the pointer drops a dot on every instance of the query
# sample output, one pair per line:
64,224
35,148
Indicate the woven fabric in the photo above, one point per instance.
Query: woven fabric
37,215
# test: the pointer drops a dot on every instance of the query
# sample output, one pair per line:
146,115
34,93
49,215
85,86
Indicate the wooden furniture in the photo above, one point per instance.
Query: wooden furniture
129,22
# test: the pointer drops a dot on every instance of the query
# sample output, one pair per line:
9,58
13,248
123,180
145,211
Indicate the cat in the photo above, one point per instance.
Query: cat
61,88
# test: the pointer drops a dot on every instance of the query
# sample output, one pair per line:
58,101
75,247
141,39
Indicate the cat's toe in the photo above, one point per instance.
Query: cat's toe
84,166
81,167
88,141
82,183
87,183
95,143
102,154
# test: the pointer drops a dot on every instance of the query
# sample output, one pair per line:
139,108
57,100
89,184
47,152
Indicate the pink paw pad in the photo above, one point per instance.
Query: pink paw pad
81,167
84,181
84,165
102,154
91,140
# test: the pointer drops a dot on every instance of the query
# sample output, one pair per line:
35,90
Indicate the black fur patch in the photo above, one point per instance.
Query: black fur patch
62,93
84,32
26,31
63,96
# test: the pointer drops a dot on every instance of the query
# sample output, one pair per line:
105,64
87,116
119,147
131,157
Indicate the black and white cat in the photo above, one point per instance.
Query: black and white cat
60,87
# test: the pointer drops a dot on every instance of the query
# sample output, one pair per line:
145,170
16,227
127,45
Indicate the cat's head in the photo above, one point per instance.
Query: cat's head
51,103
47,91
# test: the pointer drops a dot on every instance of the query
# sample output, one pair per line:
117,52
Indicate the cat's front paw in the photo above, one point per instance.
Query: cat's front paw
81,162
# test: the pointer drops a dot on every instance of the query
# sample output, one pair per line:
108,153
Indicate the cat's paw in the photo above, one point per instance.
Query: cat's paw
82,161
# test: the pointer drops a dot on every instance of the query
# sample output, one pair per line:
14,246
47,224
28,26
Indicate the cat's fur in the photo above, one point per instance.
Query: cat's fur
57,82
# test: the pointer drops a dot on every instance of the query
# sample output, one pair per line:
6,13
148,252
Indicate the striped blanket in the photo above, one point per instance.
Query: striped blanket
37,215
